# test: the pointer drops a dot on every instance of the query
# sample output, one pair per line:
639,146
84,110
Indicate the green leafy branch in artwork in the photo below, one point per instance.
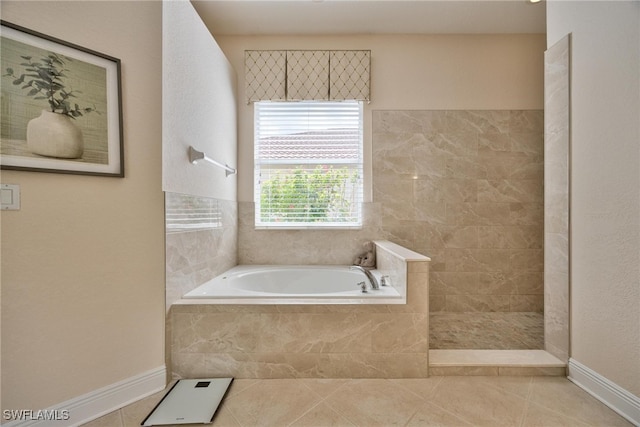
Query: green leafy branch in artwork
44,79
323,194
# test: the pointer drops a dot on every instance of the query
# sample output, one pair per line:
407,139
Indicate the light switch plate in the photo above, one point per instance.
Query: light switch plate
10,195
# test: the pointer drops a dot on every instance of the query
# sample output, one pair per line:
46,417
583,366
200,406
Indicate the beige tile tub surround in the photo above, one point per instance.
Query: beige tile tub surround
466,187
203,248
316,246
310,341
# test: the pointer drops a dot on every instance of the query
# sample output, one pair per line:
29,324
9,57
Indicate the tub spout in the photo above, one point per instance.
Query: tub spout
370,276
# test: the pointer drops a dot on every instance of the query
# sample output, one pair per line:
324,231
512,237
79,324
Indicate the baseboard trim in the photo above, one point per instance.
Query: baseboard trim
97,403
609,393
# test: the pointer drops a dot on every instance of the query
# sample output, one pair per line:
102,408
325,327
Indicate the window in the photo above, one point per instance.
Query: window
308,164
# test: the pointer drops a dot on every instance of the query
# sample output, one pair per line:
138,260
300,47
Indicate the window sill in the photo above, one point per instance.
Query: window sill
308,227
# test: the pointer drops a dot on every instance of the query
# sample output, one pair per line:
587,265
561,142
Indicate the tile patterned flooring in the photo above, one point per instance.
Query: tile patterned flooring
435,401
486,331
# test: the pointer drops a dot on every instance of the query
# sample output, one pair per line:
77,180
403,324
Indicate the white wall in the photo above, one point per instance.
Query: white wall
412,72
199,106
605,203
83,260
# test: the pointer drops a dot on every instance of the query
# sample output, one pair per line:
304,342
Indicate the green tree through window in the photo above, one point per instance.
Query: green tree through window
323,194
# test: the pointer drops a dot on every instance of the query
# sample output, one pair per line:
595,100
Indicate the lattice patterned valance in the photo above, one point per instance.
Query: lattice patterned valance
327,75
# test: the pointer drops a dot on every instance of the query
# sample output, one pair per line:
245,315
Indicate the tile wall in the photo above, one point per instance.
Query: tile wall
556,238
466,189
201,238
304,246
201,241
462,187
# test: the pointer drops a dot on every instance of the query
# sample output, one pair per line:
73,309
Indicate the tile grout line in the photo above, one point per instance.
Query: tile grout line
495,387
527,402
546,408
121,414
335,410
412,415
525,412
321,401
228,398
413,392
230,412
312,408
425,400
561,414
455,415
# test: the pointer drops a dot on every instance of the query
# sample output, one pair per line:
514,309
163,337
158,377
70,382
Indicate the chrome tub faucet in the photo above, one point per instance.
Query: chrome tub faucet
370,276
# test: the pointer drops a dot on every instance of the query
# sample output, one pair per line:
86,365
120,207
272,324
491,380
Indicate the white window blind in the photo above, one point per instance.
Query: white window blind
308,164
189,213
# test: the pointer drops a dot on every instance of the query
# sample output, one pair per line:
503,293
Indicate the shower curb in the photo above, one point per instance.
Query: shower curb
495,363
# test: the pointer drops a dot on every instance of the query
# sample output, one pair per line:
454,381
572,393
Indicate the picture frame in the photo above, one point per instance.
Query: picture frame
60,106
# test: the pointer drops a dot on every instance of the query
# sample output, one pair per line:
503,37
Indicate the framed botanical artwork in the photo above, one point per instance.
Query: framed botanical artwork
60,106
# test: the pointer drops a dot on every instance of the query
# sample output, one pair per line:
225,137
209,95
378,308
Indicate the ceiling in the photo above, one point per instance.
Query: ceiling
317,17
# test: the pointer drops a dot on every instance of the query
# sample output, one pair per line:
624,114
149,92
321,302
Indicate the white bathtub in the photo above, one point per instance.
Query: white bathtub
277,284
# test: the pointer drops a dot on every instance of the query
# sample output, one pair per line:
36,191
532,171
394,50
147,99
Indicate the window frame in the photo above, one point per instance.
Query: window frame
357,165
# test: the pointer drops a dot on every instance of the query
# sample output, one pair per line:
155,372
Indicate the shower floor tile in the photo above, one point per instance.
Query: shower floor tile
487,331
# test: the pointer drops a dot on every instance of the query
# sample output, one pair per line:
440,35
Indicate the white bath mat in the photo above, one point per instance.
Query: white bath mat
189,402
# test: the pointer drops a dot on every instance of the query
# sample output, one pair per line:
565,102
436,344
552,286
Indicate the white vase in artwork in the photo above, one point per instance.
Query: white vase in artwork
54,135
